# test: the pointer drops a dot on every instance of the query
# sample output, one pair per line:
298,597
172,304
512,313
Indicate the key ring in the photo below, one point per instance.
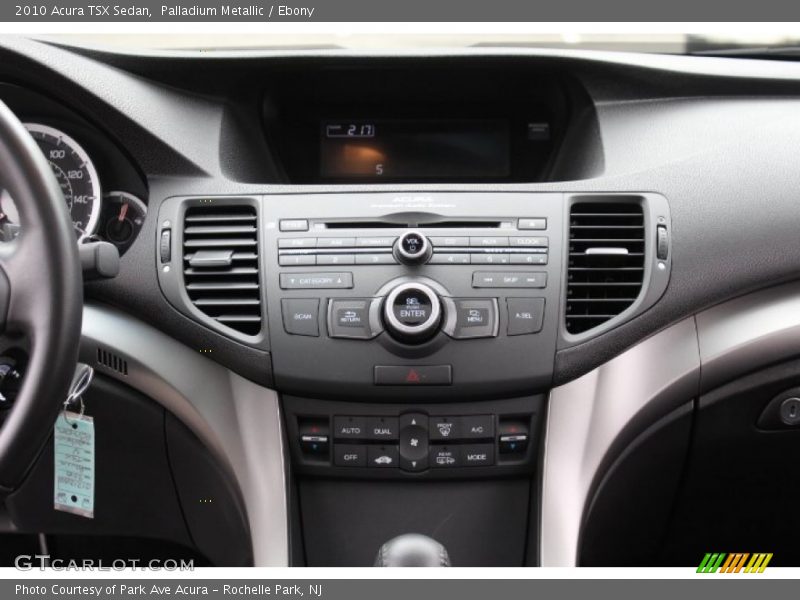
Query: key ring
80,384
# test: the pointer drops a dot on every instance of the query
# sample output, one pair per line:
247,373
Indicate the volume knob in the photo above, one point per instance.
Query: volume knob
412,248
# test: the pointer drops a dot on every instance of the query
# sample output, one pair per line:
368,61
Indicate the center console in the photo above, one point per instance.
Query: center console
412,338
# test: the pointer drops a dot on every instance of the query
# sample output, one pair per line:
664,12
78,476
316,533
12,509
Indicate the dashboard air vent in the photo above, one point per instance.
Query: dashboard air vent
220,265
606,262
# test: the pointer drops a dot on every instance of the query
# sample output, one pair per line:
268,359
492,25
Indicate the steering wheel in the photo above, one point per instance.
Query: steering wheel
41,298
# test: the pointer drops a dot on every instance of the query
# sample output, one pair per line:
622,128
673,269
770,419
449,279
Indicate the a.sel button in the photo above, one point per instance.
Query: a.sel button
350,455
301,316
477,455
525,315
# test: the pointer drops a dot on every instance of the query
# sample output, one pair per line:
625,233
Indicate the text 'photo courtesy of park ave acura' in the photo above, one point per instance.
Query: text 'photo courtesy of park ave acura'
377,296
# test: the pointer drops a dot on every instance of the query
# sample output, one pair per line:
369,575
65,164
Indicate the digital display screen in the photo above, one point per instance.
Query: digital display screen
397,149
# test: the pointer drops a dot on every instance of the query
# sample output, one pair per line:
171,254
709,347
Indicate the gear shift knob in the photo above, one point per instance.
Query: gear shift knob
412,550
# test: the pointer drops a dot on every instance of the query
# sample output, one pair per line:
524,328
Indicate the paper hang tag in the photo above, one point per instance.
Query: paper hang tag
73,438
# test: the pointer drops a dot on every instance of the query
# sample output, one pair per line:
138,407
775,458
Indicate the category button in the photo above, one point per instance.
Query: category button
301,281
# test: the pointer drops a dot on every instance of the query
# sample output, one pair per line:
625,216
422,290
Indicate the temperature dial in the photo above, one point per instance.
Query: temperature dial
123,215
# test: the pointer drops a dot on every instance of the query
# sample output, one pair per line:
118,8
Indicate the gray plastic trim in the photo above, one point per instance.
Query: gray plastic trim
237,420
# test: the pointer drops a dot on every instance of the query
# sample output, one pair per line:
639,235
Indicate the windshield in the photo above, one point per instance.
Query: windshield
671,43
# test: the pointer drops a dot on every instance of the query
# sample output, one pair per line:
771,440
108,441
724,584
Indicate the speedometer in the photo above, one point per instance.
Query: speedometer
75,174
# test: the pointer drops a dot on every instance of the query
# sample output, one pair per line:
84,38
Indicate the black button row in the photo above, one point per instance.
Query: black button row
443,428
303,260
337,242
439,457
493,258
365,428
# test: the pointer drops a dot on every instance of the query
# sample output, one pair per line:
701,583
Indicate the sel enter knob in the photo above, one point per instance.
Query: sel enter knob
412,312
412,248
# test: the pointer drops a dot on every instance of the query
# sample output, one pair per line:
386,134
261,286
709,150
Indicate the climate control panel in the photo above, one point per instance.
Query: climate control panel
453,440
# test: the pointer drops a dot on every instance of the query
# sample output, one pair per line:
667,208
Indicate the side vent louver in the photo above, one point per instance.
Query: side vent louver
220,265
606,262
112,361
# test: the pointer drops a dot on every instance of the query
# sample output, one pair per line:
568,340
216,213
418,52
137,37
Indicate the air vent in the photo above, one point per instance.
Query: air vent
606,262
220,265
112,361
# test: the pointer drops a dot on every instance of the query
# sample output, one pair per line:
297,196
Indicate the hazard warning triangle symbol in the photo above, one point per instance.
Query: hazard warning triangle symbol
412,377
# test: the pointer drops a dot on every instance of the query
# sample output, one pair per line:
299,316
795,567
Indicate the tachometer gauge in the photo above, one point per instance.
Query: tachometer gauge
75,174
122,218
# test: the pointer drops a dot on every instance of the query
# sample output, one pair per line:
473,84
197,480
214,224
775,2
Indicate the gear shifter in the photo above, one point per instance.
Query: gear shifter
412,550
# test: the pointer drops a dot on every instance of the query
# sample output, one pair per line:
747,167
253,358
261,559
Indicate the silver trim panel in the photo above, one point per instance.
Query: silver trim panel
587,415
237,420
689,358
747,333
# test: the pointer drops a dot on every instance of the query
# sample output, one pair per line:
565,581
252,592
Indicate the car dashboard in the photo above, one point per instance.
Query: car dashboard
440,290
